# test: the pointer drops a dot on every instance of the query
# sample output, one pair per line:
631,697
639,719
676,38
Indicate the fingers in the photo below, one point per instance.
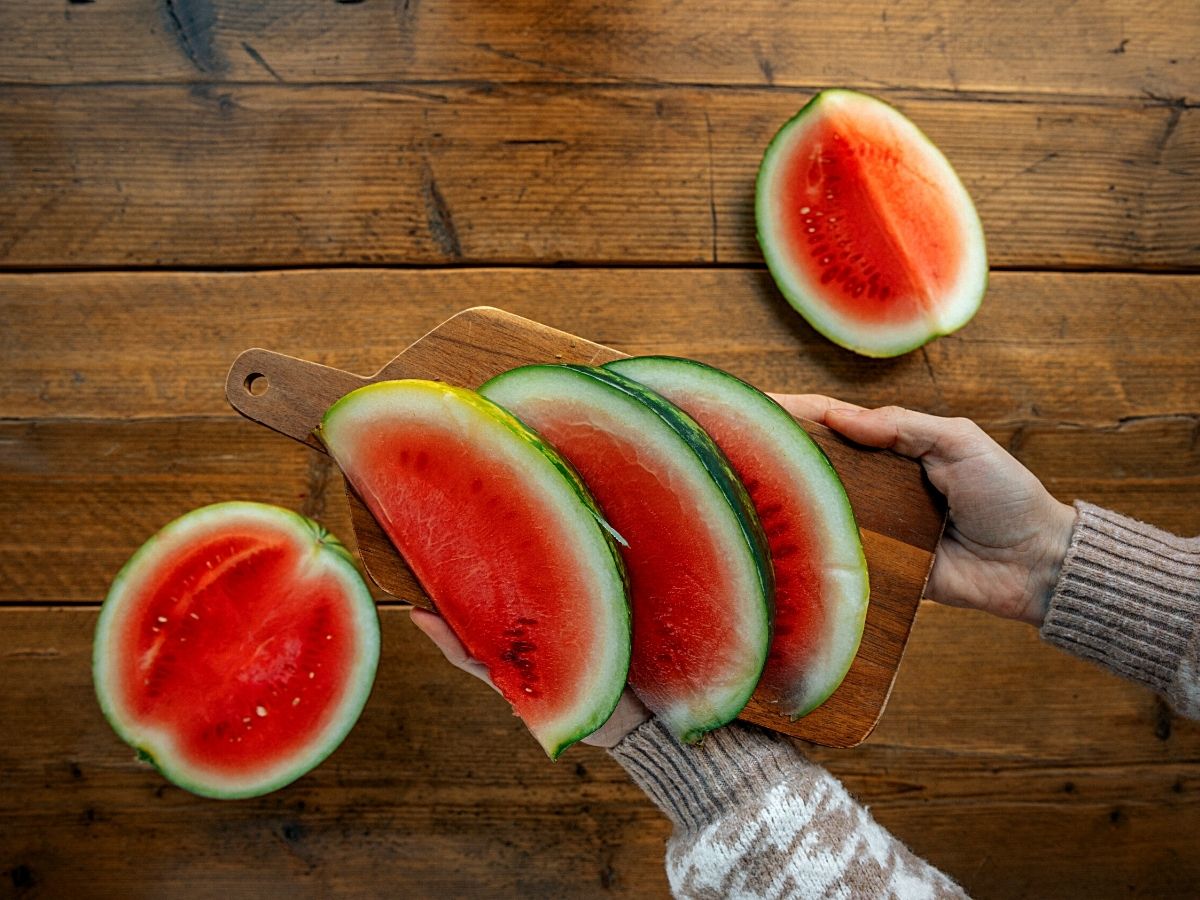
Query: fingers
435,628
814,407
905,431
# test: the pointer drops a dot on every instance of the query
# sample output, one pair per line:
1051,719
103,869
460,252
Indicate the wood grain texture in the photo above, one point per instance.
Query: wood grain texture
267,175
901,517
117,482
1045,350
997,753
1098,48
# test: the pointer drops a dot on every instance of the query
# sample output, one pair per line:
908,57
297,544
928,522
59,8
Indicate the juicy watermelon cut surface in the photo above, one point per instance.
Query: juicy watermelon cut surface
505,541
821,581
866,228
699,576
236,649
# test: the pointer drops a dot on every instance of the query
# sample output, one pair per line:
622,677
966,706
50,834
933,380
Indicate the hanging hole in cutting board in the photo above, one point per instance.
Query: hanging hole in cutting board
256,384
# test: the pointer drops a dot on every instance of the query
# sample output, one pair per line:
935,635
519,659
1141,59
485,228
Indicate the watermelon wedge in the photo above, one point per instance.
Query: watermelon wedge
700,579
866,228
504,538
236,648
821,586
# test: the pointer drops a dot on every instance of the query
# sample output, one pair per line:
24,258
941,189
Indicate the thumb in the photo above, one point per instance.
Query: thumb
907,432
438,630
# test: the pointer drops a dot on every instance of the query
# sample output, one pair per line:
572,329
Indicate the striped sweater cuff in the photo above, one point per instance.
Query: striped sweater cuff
1128,597
696,784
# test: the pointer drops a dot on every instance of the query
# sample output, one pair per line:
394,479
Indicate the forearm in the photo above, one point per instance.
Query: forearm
754,818
1128,597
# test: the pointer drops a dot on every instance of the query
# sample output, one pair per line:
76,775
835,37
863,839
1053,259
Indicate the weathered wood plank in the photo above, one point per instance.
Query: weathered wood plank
996,753
213,175
78,497
1088,349
82,496
1099,48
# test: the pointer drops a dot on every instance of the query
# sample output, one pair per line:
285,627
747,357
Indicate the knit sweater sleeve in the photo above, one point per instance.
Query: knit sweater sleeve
1128,597
753,818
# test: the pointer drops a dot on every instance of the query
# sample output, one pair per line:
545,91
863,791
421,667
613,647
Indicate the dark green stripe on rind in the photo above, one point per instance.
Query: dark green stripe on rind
762,406
536,444
713,459
718,468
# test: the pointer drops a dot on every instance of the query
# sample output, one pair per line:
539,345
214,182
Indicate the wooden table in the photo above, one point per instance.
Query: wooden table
181,180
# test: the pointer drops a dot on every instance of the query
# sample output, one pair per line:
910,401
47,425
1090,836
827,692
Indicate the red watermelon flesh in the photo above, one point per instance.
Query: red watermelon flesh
505,541
236,648
821,584
699,580
866,228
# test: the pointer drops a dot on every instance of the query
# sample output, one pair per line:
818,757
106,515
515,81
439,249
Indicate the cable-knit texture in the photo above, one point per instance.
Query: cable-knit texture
753,818
1128,597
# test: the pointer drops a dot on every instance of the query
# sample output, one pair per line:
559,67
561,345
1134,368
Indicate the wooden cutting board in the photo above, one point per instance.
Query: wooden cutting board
901,517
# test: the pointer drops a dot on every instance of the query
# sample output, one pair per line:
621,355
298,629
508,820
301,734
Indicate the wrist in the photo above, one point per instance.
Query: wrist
626,718
1056,539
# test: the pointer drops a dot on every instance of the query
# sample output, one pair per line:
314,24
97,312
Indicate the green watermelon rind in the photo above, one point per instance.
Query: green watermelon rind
700,445
366,618
817,468
780,268
578,491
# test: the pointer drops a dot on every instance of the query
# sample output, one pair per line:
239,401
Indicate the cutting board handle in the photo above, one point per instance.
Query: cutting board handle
287,394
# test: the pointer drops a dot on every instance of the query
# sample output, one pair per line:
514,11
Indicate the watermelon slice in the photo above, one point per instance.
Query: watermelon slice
236,648
821,586
866,228
504,538
700,579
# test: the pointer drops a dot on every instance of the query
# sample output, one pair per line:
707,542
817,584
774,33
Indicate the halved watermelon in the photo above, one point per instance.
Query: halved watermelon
821,586
866,228
504,538
700,579
236,648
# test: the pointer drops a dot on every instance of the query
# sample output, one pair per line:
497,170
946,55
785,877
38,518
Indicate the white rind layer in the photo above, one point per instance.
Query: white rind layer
949,312
319,554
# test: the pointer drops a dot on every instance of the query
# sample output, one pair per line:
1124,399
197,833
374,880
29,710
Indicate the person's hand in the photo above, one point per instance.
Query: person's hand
629,714
1006,536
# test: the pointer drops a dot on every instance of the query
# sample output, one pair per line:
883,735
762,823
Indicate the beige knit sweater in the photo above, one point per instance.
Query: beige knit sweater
754,818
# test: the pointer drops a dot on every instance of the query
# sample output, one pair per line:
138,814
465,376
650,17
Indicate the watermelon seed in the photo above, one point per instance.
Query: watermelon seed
804,210
295,701
261,711
194,616
162,618
312,674
246,719
329,637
